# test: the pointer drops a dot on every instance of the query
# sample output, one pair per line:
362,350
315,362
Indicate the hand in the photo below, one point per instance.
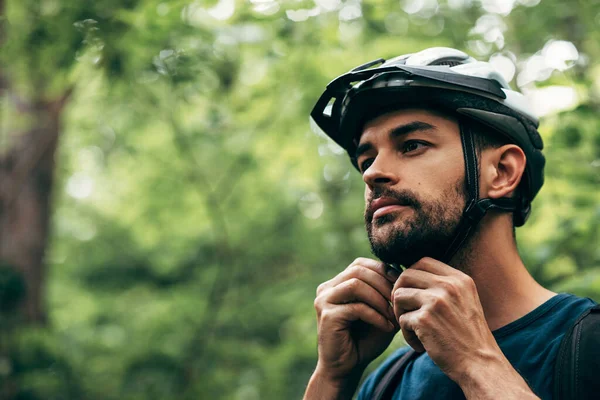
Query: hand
355,320
439,311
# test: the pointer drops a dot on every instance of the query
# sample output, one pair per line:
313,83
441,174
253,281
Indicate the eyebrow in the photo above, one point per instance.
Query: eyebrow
405,129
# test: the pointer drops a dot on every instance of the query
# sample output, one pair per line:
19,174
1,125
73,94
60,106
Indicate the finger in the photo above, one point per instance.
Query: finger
357,291
362,312
409,334
448,278
435,267
415,278
381,268
406,300
365,274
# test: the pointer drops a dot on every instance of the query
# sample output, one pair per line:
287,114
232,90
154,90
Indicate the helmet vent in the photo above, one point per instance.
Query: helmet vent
448,63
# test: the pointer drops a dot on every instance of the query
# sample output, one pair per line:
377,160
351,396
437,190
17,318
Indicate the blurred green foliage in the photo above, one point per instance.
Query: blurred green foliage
197,211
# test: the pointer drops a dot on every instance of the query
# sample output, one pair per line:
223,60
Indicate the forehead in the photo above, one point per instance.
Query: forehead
444,123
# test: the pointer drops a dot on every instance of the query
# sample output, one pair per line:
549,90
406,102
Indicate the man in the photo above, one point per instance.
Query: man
451,160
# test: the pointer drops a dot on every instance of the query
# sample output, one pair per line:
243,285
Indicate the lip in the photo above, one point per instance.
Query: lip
386,210
384,205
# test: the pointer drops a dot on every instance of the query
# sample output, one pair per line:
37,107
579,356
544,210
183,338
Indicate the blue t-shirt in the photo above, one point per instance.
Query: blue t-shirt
529,343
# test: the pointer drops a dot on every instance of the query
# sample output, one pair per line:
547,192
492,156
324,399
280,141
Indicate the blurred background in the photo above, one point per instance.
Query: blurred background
167,210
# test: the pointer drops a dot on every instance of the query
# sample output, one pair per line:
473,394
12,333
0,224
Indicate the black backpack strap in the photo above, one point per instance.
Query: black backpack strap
391,379
578,360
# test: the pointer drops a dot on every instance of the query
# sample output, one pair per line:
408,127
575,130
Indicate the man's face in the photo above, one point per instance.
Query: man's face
413,168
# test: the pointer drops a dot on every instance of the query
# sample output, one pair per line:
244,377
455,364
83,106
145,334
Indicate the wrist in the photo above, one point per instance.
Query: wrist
491,376
340,381
323,385
482,365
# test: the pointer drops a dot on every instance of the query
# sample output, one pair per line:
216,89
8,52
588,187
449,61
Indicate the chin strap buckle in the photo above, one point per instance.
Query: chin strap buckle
476,210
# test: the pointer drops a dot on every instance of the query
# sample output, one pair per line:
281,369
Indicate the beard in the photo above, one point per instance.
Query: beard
426,231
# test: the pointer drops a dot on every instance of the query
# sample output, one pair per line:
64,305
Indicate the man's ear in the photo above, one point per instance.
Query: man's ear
502,170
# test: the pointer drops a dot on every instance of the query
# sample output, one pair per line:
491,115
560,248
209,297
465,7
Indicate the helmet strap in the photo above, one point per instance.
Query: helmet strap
475,208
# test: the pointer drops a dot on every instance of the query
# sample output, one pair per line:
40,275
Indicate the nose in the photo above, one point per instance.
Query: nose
380,173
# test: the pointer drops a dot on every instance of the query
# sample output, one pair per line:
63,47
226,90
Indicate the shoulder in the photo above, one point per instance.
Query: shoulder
552,318
570,306
368,386
562,312
531,343
577,362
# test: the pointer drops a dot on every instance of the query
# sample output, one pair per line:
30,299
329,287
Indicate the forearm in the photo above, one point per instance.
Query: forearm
320,387
495,379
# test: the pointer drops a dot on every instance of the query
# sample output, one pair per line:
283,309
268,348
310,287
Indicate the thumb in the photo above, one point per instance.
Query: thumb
410,336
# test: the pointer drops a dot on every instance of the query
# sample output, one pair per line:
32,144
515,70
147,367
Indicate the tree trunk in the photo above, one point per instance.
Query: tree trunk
26,181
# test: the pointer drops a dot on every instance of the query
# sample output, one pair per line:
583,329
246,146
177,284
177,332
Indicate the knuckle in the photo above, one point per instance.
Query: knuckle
418,264
424,261
354,270
402,279
436,299
317,304
406,293
402,320
465,282
358,261
327,315
353,283
449,288
438,302
321,288
469,282
421,319
398,294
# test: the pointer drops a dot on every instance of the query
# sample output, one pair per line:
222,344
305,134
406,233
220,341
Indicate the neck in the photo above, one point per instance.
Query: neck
506,289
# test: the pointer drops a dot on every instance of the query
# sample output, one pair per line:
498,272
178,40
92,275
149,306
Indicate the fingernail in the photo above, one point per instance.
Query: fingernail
391,272
391,326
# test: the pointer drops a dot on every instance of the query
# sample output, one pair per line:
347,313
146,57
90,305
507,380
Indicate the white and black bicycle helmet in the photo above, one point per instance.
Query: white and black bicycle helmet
449,80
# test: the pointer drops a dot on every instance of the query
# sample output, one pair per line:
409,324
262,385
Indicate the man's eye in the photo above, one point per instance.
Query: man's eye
411,145
366,164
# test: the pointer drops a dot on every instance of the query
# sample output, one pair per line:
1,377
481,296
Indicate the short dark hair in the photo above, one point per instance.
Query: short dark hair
485,137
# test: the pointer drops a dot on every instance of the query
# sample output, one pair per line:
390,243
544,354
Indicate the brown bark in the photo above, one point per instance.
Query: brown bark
26,181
